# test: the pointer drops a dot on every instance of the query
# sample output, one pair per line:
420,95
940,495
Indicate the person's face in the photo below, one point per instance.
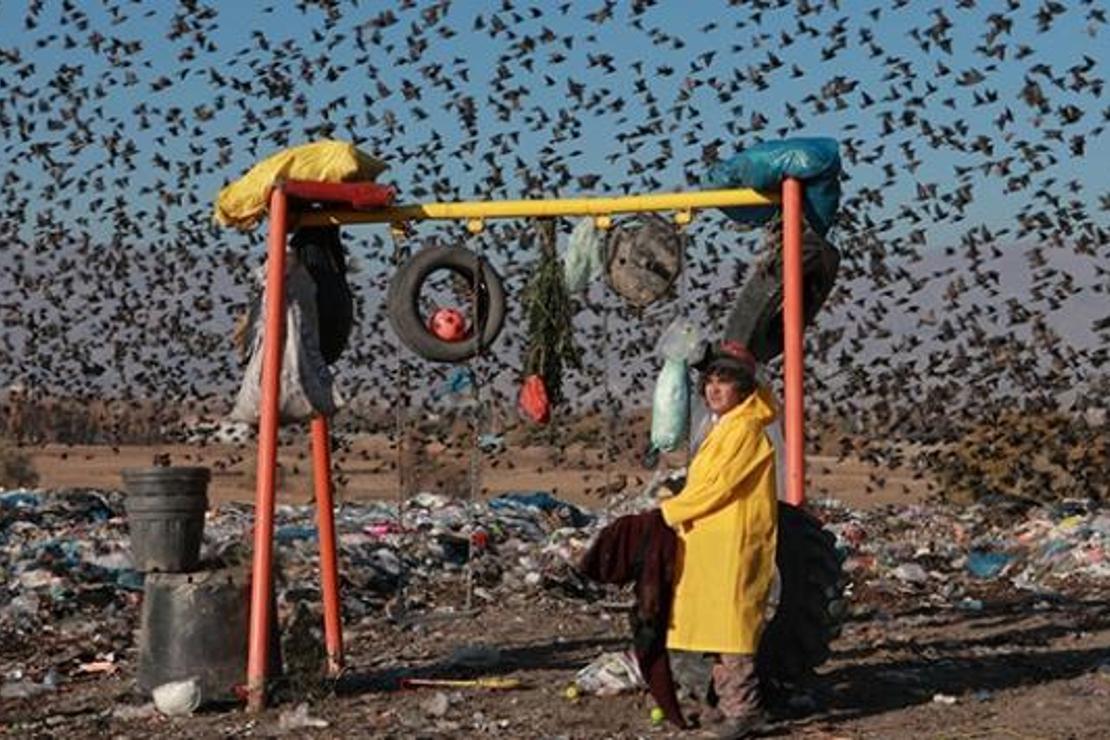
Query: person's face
721,394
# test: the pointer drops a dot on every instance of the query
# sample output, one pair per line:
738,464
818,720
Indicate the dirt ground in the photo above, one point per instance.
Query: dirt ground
366,469
1022,666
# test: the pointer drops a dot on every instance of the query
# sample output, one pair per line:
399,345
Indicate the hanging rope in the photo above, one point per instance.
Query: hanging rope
474,422
683,311
400,430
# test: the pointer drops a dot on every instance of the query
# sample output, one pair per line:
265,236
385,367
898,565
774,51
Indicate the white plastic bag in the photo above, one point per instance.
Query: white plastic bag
670,406
307,386
681,340
610,674
584,260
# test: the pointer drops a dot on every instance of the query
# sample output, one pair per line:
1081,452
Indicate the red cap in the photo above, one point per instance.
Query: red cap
729,351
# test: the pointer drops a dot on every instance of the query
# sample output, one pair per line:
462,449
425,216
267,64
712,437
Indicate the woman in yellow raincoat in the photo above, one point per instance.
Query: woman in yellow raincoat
726,520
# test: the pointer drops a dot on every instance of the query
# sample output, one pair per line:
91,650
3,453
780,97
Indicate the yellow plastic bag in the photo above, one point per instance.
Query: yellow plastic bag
243,203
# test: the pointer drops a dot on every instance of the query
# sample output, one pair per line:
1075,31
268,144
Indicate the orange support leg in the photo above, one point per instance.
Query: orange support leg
325,527
793,347
261,576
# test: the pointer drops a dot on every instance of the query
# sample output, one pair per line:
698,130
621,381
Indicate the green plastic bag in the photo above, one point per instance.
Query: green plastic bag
669,406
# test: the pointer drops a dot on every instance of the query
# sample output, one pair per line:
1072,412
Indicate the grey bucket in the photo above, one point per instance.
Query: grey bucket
166,481
165,514
196,624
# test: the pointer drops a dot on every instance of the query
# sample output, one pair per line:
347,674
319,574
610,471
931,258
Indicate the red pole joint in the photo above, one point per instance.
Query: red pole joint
793,347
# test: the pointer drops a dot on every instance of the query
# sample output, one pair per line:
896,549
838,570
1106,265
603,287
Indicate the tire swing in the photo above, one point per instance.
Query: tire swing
756,318
403,303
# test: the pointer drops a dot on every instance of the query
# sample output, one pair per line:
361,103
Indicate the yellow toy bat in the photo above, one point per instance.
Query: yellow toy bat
471,683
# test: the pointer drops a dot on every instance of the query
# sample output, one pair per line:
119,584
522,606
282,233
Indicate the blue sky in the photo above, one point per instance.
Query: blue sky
736,42
657,89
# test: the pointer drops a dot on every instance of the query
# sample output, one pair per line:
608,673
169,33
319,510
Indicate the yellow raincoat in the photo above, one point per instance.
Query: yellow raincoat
727,523
243,203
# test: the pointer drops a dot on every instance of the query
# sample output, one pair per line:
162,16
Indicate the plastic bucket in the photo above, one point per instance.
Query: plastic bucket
165,515
166,481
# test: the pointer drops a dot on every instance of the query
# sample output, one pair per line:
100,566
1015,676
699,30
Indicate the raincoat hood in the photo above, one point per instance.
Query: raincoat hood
760,405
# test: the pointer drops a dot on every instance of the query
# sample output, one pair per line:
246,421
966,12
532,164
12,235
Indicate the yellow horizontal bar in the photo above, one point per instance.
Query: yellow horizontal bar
539,208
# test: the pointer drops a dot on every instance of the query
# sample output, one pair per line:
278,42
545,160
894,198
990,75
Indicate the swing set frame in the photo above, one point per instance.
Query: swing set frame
372,205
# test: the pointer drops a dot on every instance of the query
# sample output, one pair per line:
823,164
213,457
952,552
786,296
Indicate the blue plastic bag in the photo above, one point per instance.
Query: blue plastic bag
459,390
814,161
669,406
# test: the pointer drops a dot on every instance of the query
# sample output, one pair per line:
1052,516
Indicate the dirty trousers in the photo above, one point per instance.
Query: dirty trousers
736,684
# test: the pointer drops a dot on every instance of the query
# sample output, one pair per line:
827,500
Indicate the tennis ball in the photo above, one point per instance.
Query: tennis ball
657,716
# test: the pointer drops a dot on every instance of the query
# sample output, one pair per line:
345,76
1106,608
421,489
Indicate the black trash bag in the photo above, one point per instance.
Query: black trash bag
320,250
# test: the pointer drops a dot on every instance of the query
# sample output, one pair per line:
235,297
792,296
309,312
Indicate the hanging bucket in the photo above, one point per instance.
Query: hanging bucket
165,515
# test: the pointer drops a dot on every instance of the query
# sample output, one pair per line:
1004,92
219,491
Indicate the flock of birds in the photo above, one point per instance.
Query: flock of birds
972,230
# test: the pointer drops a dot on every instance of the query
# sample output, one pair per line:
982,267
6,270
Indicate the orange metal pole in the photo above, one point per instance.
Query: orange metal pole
793,348
261,576
325,527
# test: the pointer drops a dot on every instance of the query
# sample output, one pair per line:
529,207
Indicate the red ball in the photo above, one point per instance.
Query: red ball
448,324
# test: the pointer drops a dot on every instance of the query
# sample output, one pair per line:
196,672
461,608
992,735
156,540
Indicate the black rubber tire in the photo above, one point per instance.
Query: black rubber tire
811,606
756,316
403,302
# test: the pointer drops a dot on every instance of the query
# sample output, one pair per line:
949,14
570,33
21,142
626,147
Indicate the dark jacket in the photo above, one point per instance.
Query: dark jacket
641,548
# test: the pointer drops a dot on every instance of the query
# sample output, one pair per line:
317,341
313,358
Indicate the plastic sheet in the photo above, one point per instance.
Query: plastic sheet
584,260
681,340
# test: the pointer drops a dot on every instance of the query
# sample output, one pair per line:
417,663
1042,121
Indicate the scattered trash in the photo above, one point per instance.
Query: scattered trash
985,564
951,547
943,699
437,704
970,605
298,719
178,698
67,558
24,689
128,712
107,667
610,674
911,573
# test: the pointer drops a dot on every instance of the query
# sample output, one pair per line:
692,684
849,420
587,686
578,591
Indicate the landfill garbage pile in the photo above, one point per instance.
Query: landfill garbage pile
69,568
66,555
942,552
